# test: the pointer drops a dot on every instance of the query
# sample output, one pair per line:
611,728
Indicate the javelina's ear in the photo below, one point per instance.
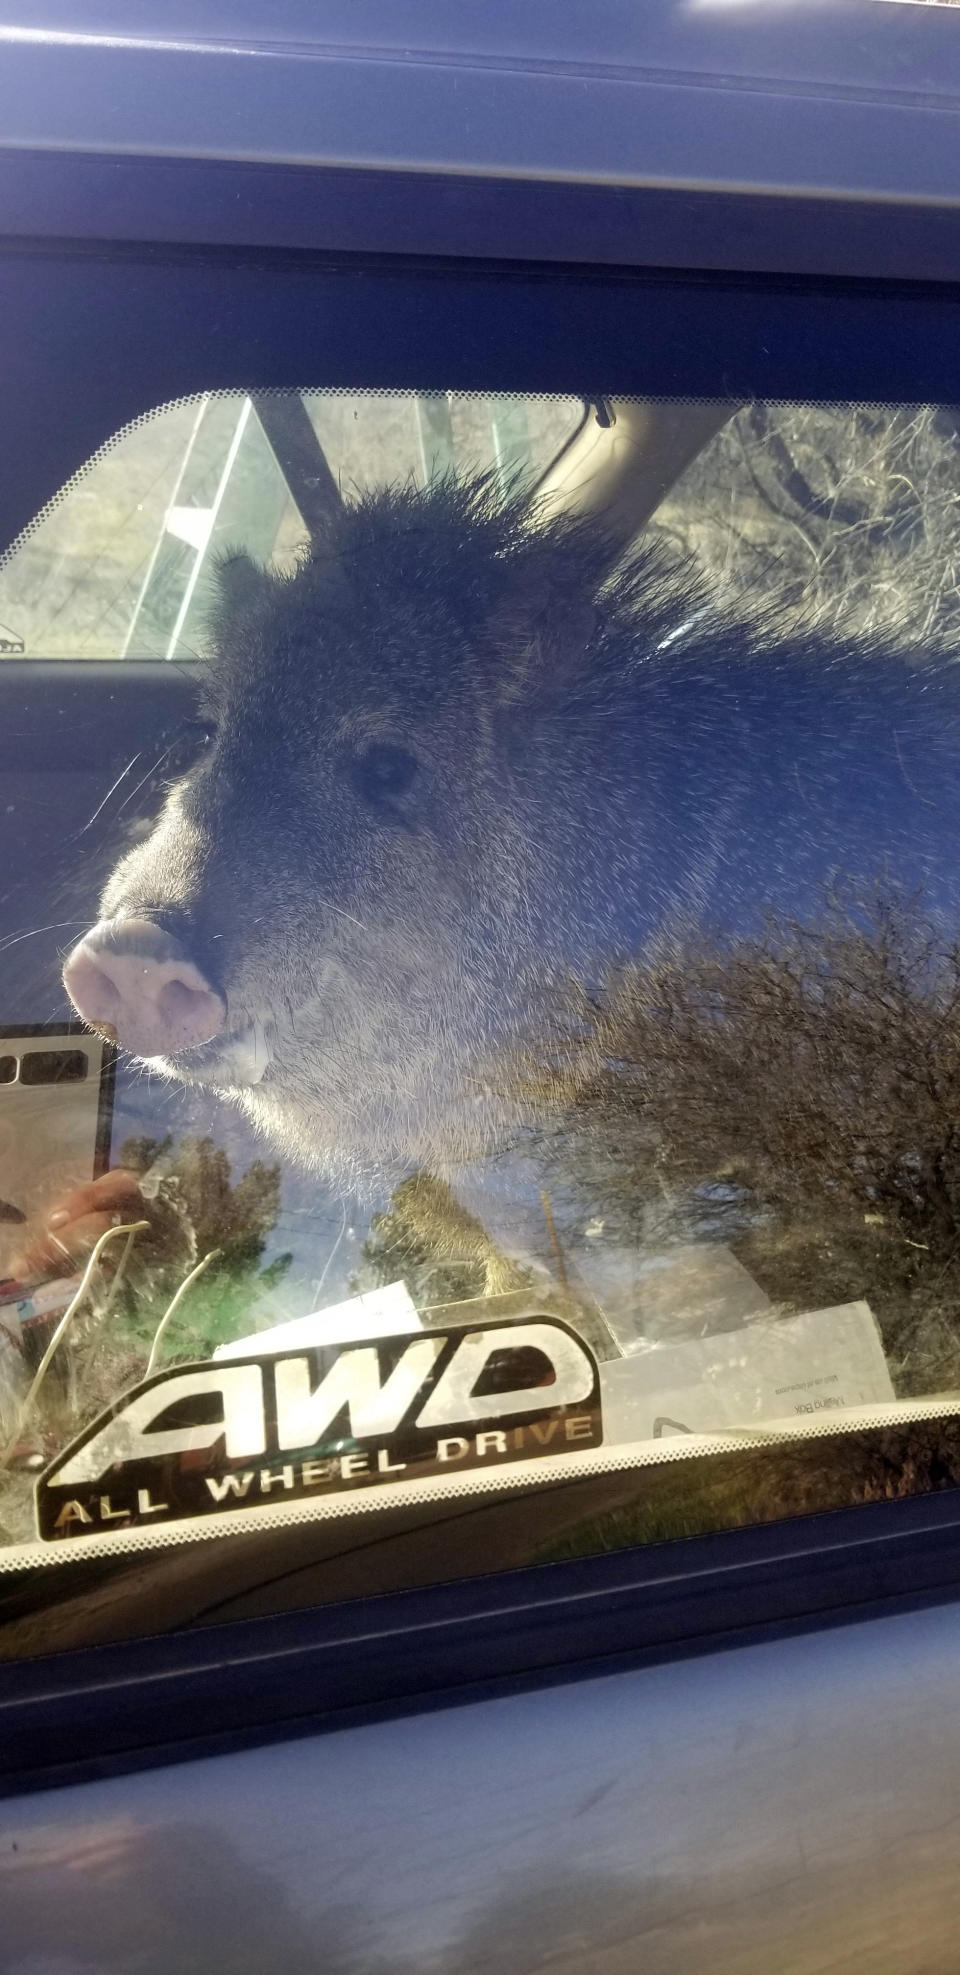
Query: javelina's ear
240,586
542,638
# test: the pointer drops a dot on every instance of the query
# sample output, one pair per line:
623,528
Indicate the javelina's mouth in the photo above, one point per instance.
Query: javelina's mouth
239,1058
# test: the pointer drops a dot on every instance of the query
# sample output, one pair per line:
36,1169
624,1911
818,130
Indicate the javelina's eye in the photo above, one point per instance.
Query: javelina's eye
383,773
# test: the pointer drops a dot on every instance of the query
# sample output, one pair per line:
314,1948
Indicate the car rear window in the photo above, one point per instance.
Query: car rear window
479,948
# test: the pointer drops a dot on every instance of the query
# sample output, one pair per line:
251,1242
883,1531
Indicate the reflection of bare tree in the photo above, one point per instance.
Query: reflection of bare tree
565,1923
731,1913
442,1251
448,1260
806,1084
147,1900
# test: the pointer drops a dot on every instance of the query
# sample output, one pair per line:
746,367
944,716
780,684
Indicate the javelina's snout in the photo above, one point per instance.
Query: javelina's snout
131,977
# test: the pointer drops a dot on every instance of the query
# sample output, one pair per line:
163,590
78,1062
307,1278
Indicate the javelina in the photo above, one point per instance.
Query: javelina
453,757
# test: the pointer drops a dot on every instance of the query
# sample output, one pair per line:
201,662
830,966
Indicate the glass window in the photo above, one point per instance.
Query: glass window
500,848
120,563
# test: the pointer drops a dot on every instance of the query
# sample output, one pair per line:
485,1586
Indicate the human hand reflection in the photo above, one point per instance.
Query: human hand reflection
75,1223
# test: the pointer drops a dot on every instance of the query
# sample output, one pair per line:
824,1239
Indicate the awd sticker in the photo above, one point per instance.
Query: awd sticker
233,1435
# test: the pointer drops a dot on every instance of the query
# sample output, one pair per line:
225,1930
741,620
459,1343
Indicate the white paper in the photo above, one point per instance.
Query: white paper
379,1313
805,1367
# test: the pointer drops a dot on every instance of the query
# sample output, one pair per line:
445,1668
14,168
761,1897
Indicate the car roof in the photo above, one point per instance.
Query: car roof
687,91
851,101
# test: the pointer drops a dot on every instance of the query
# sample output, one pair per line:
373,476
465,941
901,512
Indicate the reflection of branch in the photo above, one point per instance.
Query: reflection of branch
131,1228
119,1274
558,1251
173,1307
318,1285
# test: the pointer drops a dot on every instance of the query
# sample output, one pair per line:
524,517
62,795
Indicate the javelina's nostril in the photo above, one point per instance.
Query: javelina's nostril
129,977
